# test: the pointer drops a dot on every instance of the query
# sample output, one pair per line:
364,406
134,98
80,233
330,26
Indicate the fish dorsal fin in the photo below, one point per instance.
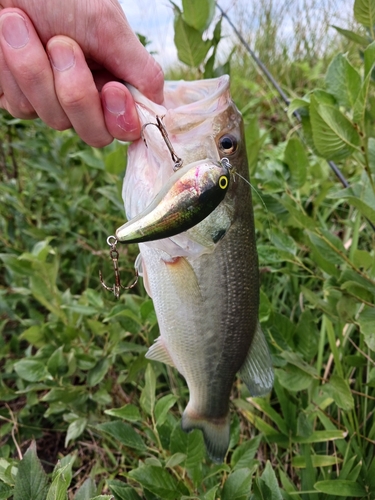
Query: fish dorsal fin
257,371
158,352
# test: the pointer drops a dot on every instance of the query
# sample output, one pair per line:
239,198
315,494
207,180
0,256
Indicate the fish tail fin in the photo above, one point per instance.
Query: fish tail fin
216,432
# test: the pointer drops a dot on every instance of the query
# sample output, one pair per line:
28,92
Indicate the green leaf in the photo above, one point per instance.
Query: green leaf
360,196
211,494
307,335
81,309
359,108
351,35
56,364
123,433
343,81
371,154
102,497
191,49
128,412
90,157
5,491
334,135
147,400
31,370
341,488
198,13
264,406
328,250
31,480
369,58
175,459
295,157
162,407
254,142
298,104
58,489
64,467
244,453
75,429
192,446
364,12
366,321
115,161
293,378
34,335
339,390
61,478
158,481
237,486
96,375
317,461
122,491
86,491
268,485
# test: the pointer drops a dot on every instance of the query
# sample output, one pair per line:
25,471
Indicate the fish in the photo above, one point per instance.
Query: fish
204,281
189,196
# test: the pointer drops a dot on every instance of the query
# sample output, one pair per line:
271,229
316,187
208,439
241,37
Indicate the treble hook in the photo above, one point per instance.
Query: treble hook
116,288
160,125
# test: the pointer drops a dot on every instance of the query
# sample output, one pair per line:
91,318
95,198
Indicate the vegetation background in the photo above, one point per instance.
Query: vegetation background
75,388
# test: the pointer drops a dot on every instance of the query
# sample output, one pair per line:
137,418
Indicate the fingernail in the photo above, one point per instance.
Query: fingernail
114,100
61,55
14,30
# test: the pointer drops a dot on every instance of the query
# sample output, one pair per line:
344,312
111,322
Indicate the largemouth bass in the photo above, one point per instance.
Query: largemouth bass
204,282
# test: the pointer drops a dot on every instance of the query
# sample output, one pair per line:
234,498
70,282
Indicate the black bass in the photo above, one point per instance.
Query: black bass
204,282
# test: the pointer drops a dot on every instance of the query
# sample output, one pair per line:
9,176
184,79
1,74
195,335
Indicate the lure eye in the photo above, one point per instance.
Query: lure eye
223,182
228,144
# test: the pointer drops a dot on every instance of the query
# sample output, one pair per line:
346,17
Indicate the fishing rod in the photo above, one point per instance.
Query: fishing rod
282,94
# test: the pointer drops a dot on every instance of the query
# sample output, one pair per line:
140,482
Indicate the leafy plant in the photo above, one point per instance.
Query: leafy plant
84,415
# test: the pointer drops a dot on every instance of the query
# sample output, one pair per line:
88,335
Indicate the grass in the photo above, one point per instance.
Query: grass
73,374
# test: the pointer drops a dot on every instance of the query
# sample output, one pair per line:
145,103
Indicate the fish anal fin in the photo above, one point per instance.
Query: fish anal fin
158,352
216,432
257,372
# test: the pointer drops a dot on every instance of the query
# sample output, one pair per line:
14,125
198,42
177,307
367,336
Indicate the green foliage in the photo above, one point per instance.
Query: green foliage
103,422
194,47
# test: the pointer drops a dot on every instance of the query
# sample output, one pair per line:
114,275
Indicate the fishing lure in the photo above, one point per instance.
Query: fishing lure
189,196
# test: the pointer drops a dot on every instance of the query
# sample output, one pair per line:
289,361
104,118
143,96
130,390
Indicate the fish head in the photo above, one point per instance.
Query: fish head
201,122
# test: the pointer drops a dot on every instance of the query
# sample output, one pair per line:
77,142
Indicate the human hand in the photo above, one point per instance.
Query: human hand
60,61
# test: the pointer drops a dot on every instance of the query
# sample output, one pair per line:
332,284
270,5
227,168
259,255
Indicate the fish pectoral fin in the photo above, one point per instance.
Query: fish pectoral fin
257,371
142,271
158,352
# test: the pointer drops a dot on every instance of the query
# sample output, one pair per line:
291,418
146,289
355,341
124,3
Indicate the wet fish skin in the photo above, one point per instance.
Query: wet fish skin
204,282
189,196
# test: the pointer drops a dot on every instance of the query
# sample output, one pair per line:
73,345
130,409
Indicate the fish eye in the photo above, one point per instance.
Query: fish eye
228,144
223,182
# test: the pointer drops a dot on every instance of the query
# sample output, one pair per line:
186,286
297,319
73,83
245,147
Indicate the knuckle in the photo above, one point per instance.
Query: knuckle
23,109
60,124
100,142
72,100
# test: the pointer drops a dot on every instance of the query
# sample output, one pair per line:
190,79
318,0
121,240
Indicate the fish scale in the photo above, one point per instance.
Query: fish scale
204,282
